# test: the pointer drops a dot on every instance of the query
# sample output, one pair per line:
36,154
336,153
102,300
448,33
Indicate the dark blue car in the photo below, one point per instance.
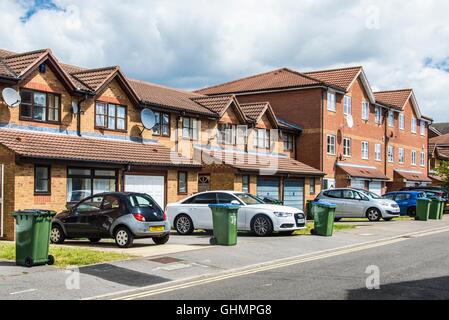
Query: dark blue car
406,201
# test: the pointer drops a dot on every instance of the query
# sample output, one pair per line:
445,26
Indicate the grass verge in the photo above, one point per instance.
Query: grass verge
337,227
65,256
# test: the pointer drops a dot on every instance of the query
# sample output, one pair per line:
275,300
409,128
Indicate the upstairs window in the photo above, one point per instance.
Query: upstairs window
390,118
378,152
226,134
331,144
413,158
365,150
288,141
422,159
390,154
423,128
401,155
378,114
190,128
331,104
365,110
261,139
40,106
401,121
346,147
413,125
110,116
347,109
162,126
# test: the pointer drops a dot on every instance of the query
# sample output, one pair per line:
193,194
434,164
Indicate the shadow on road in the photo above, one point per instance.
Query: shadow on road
426,289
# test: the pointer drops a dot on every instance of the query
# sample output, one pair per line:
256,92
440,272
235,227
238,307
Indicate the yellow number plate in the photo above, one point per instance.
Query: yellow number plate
156,229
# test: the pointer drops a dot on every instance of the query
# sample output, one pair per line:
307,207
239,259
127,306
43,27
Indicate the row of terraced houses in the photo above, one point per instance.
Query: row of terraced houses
281,134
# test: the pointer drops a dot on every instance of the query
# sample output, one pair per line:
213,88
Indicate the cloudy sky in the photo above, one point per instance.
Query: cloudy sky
196,43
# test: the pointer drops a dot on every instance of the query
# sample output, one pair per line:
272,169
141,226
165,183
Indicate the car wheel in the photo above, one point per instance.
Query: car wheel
373,214
123,237
184,225
411,212
94,240
57,234
161,240
262,226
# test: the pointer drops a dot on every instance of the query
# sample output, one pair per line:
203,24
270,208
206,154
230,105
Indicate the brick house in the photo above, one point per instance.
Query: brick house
78,131
344,126
438,152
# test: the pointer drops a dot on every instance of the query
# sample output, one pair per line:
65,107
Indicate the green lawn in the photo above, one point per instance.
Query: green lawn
65,256
337,227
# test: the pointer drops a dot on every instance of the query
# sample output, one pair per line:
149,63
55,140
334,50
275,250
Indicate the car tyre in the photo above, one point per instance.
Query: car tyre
184,225
123,237
94,240
262,226
161,240
411,212
57,234
373,214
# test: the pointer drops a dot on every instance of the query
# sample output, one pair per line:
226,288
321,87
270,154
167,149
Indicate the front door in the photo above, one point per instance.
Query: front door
203,183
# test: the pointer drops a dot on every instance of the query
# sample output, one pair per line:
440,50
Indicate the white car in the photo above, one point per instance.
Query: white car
254,215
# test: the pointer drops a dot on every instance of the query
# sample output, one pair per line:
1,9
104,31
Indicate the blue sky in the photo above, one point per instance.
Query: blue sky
196,43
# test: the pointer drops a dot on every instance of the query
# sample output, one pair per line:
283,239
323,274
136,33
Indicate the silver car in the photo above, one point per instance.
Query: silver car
358,203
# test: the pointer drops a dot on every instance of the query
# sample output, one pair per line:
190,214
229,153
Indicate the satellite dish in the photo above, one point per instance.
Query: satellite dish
148,118
12,97
349,121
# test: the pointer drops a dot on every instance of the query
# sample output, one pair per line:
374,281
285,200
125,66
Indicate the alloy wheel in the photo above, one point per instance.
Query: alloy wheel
183,225
261,226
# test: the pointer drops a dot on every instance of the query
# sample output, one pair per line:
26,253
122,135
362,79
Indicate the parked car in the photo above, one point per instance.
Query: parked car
406,201
358,203
270,200
433,192
254,215
119,215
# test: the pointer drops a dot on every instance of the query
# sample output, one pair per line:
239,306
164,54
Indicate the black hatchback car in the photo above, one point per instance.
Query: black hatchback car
122,216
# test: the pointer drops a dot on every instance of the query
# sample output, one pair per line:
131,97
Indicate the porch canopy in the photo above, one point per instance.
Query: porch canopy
413,176
363,172
54,146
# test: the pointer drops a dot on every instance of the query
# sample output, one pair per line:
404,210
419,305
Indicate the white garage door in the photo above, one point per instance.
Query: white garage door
376,187
152,185
359,184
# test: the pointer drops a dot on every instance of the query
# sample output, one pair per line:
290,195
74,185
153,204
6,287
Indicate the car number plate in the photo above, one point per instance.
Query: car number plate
157,228
301,221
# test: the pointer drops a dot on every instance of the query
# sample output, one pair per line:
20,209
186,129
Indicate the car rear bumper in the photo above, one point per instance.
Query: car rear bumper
143,229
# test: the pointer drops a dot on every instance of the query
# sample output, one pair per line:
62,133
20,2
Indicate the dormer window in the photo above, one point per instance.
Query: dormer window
110,116
261,138
226,134
40,106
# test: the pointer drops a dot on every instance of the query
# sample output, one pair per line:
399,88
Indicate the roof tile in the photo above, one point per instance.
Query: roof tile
342,77
395,98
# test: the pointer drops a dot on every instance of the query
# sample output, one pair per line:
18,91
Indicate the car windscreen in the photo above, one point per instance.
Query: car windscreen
249,199
145,205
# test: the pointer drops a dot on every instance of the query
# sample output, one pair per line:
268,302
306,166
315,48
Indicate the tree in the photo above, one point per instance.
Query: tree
443,171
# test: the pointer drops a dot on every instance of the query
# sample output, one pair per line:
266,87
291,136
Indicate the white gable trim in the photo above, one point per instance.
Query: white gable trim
366,85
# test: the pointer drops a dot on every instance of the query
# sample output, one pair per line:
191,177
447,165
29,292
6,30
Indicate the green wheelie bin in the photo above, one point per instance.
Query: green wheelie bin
33,237
435,209
224,218
323,217
422,209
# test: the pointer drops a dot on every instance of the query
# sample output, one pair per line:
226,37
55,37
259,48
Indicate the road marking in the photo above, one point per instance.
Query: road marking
24,291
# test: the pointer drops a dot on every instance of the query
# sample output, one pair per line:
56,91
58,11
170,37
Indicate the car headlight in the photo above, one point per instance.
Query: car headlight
282,214
385,204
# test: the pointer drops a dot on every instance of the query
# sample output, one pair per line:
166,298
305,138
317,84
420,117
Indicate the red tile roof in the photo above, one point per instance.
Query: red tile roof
342,77
264,164
217,104
19,63
394,98
277,79
359,172
444,139
94,78
74,148
254,110
411,176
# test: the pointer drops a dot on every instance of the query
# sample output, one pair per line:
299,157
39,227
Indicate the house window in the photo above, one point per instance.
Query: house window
312,186
110,116
401,121
84,182
331,104
378,152
390,118
190,128
413,158
331,144
227,133
401,155
365,110
40,106
365,150
346,147
288,141
413,125
347,109
390,154
245,184
422,159
42,180
423,128
261,138
182,182
162,126
378,113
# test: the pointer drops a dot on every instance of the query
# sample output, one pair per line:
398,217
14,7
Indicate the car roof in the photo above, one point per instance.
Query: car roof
116,193
411,191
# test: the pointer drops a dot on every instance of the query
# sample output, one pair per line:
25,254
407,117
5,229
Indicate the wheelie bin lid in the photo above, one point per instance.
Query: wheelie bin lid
34,212
424,199
325,204
225,205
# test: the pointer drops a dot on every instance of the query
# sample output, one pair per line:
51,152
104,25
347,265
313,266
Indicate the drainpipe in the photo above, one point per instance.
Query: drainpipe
384,122
78,119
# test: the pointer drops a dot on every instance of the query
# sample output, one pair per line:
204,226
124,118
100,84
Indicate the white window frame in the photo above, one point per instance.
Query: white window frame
391,119
422,128
347,105
378,152
378,114
333,138
401,156
347,152
390,154
413,158
365,150
422,159
401,121
365,110
331,101
414,123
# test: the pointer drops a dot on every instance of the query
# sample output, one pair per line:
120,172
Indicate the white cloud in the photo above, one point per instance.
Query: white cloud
197,43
